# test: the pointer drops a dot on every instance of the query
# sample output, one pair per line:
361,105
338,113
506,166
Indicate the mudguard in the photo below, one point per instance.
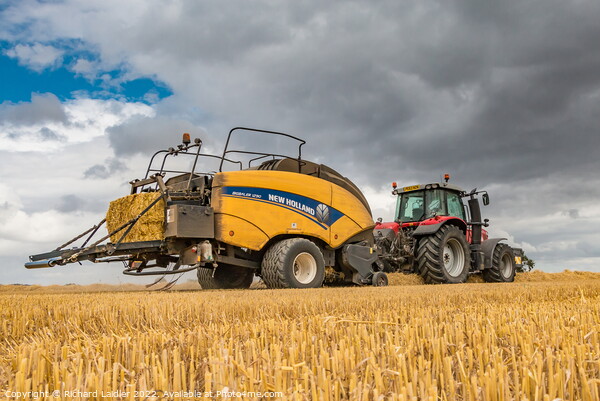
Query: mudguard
487,247
427,229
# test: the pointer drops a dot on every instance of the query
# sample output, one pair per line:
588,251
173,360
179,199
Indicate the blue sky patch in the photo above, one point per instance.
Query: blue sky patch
18,82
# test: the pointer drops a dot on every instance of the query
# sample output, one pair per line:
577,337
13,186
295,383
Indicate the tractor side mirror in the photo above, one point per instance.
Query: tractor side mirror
486,199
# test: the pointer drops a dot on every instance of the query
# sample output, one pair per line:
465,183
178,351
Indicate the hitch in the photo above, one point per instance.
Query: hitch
38,264
359,260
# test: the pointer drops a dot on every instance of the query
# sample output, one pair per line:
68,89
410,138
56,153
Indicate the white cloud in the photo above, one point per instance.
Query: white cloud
45,199
37,57
84,120
20,230
85,68
36,214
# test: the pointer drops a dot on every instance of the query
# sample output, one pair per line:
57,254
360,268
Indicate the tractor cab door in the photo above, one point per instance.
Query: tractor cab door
455,205
410,207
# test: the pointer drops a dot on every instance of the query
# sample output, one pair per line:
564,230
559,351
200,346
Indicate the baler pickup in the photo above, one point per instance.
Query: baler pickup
96,254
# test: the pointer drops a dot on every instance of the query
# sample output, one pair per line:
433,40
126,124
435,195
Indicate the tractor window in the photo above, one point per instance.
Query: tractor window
435,203
455,206
410,207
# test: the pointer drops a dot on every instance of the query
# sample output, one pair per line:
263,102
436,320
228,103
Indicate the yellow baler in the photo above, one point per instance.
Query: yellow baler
284,220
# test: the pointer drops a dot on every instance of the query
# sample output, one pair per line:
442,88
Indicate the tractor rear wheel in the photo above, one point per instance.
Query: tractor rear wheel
503,266
225,277
443,257
293,263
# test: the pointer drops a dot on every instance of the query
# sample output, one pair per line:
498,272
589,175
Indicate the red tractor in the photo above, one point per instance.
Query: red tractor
437,236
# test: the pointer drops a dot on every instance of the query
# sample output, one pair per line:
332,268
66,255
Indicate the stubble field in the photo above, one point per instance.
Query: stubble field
535,339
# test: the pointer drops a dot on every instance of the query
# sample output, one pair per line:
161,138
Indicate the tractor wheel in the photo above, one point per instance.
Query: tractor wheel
443,258
225,277
503,266
293,263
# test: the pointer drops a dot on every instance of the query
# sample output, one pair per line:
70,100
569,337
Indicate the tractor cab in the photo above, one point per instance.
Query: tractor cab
422,202
433,204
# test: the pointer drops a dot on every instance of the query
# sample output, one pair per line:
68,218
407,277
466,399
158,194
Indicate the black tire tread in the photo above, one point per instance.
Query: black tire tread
233,278
428,256
273,265
493,275
206,280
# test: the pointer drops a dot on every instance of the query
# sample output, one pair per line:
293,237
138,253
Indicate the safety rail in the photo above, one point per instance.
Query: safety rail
261,155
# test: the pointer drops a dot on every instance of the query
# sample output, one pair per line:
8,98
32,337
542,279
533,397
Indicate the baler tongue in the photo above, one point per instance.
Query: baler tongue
38,264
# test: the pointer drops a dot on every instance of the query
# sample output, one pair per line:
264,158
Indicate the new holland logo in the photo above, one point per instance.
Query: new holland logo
312,209
322,213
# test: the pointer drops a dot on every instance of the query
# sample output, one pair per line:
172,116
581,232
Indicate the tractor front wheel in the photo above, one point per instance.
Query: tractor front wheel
443,257
293,263
225,277
503,266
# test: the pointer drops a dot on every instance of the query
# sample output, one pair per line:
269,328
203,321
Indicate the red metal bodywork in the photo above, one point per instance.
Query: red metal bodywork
434,220
393,225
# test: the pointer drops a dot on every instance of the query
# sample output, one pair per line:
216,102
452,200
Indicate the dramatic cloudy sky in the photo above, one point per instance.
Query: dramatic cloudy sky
503,95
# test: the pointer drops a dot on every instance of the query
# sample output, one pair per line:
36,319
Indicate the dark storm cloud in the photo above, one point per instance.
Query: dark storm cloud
70,203
494,92
49,135
147,135
102,171
573,213
534,85
42,108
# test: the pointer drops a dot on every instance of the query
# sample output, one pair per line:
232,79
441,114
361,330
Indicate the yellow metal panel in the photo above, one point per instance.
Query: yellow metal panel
245,234
273,203
357,217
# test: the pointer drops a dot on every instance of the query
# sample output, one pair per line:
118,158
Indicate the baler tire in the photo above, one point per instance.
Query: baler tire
503,266
379,279
287,259
431,256
225,277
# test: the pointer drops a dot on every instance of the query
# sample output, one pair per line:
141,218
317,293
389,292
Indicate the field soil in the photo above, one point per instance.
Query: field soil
395,279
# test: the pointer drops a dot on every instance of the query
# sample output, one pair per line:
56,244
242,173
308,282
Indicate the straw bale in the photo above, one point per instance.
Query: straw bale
400,279
151,226
566,275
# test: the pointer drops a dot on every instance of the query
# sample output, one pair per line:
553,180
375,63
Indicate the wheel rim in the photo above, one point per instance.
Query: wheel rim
305,268
506,266
380,281
454,257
